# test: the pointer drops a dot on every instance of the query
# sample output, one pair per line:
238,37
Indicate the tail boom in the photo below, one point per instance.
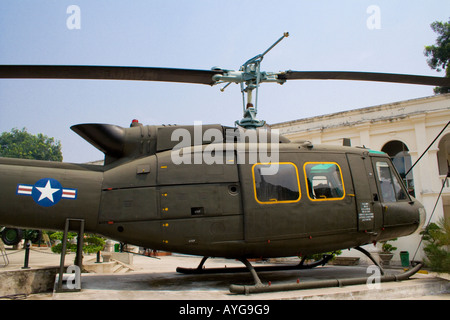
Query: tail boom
43,194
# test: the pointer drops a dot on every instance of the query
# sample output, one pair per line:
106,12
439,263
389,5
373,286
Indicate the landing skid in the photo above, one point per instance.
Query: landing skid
201,270
259,287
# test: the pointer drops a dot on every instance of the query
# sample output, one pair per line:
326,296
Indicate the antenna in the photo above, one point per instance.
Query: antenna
249,77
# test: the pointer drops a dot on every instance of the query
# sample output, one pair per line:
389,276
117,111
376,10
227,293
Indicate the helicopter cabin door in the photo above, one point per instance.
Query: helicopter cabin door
311,194
367,202
329,194
394,199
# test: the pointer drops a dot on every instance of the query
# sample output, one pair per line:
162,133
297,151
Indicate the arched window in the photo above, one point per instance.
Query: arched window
399,153
443,155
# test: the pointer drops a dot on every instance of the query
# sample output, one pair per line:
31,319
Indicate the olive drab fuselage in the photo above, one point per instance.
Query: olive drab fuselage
320,198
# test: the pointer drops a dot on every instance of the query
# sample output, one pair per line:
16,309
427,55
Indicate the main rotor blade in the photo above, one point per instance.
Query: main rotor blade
364,76
107,73
195,76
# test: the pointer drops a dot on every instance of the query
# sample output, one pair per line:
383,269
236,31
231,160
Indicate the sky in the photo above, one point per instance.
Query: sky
347,35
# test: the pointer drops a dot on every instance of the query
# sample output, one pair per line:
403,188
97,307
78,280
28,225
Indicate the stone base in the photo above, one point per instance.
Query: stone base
345,261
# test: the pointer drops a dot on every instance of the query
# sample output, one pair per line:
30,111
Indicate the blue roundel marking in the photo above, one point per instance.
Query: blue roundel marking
47,192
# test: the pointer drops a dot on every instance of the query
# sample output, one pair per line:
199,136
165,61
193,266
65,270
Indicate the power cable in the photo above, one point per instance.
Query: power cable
435,205
427,148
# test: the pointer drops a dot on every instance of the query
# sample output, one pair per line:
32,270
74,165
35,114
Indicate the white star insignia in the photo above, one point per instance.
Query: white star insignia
47,192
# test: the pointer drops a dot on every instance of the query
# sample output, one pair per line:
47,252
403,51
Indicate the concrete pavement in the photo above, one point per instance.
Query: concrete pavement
157,279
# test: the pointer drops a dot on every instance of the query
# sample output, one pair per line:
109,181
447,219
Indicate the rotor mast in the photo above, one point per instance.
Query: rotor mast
249,77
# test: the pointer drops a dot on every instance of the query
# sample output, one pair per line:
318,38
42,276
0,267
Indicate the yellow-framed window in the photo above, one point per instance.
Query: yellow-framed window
324,181
276,184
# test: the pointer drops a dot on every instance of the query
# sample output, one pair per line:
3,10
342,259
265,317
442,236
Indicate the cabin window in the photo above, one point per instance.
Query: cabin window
324,181
401,159
281,187
391,188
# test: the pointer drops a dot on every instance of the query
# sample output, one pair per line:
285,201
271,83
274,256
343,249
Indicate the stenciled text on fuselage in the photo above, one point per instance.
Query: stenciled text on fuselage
235,145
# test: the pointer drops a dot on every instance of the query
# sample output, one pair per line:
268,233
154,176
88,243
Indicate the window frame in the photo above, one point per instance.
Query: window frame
400,157
255,194
308,185
393,176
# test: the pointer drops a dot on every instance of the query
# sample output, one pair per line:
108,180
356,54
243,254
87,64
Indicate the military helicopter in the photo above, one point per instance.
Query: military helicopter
211,190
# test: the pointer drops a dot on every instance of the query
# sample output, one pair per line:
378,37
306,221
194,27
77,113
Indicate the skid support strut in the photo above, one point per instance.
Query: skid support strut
258,287
243,289
258,284
367,253
299,266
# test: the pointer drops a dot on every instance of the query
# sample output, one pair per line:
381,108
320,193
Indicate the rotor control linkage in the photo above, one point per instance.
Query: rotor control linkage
249,77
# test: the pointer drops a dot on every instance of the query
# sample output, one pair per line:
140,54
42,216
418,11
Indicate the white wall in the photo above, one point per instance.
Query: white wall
414,122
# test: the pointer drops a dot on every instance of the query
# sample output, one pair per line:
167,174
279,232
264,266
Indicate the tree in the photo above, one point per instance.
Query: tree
439,55
437,248
91,243
21,144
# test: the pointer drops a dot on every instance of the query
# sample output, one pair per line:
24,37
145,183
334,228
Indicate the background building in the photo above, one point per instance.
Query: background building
404,130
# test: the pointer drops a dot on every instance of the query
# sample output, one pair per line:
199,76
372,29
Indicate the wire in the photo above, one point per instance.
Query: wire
427,148
429,220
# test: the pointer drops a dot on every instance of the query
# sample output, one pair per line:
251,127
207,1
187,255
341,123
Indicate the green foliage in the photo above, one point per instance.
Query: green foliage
437,239
319,256
21,144
387,247
439,55
33,235
91,243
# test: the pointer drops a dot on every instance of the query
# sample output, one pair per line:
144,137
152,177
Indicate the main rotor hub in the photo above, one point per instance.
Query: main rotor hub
249,77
